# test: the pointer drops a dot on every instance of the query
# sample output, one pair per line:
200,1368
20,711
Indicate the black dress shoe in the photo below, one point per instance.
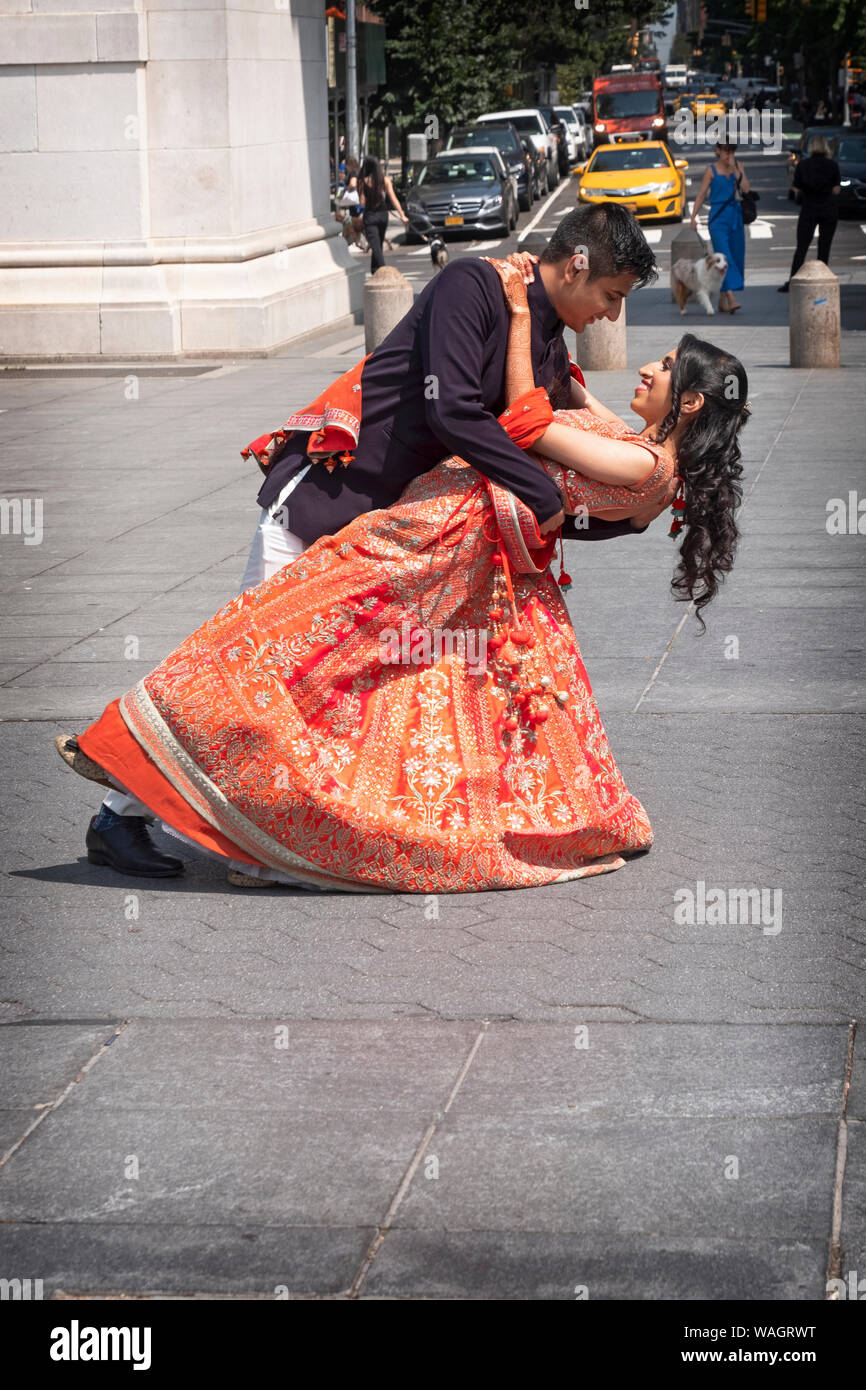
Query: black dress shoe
783,289
128,848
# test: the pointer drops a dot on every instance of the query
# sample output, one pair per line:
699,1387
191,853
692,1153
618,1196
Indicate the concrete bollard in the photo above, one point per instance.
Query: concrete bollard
388,297
601,346
687,245
814,326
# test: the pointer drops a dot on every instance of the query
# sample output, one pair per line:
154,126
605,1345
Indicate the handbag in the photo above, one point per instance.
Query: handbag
747,206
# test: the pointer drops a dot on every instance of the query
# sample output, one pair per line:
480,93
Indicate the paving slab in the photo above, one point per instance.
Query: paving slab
479,1264
559,1169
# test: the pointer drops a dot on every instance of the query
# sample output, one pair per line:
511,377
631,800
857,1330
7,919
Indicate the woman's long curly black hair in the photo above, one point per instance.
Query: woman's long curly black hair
709,464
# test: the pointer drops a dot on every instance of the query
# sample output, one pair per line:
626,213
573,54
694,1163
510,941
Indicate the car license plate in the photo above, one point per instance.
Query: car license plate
453,221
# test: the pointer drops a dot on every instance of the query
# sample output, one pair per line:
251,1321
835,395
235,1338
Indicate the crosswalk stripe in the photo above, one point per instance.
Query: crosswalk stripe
760,230
653,235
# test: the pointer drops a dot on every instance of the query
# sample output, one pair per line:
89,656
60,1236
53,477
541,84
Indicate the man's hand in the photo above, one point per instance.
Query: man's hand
552,524
647,514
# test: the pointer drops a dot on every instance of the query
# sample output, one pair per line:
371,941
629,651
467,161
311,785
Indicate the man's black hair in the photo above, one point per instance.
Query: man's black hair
611,239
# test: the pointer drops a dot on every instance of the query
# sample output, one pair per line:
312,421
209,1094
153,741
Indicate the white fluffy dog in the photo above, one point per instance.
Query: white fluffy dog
699,279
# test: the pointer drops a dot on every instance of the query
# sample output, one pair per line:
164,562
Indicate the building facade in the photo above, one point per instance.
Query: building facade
164,166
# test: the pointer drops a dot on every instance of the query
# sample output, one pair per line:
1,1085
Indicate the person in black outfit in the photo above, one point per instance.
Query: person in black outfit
377,191
819,181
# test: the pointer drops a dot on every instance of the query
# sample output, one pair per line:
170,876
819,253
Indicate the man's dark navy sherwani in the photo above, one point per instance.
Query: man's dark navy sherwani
433,388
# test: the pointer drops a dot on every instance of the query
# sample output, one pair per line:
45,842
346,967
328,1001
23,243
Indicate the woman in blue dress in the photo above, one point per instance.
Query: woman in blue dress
723,181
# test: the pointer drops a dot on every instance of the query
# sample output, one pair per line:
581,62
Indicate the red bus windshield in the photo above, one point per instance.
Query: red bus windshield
613,105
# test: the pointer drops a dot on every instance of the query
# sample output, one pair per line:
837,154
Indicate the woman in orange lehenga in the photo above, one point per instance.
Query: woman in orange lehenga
339,726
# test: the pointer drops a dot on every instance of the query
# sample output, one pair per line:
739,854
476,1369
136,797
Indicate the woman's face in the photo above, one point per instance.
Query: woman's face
726,153
652,397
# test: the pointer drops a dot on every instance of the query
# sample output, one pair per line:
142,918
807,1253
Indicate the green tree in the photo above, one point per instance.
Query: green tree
453,58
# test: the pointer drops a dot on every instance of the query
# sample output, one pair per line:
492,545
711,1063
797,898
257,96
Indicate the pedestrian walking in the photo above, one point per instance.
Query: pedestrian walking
818,181
377,192
349,212
721,186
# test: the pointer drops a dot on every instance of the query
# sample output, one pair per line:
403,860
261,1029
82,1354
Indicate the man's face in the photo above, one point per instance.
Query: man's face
581,301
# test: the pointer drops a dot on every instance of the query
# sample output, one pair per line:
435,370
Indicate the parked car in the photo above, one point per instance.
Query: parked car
850,155
643,176
831,134
730,95
585,124
529,121
575,126
560,135
507,141
462,190
848,148
539,166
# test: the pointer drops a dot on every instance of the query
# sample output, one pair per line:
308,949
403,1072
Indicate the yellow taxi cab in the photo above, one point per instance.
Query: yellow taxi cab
642,175
707,104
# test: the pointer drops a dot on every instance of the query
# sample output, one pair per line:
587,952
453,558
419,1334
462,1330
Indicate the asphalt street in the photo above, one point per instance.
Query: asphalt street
770,239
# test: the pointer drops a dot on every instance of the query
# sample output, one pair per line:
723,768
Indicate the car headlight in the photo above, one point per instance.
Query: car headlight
600,127
416,209
844,183
659,121
491,204
662,188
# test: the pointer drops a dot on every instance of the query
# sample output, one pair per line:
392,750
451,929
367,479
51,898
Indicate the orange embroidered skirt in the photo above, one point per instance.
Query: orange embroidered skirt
389,712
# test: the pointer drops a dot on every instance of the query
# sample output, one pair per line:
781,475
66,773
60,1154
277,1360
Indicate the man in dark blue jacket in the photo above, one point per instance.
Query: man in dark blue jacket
436,385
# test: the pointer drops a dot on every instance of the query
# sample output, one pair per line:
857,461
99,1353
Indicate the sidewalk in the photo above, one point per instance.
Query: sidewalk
208,1091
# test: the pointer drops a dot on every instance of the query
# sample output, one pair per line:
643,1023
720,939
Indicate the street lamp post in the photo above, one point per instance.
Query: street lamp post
351,81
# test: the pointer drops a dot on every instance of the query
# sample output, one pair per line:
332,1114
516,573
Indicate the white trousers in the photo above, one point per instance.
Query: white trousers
273,547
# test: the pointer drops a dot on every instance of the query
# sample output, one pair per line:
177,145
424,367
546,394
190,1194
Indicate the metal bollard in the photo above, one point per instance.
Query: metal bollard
814,325
388,297
601,347
687,245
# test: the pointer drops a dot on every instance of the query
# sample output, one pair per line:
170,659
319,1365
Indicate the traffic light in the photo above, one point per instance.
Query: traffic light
761,15
750,9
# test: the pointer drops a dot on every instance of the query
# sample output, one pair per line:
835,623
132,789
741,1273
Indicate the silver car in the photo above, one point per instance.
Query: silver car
529,121
462,190
575,127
